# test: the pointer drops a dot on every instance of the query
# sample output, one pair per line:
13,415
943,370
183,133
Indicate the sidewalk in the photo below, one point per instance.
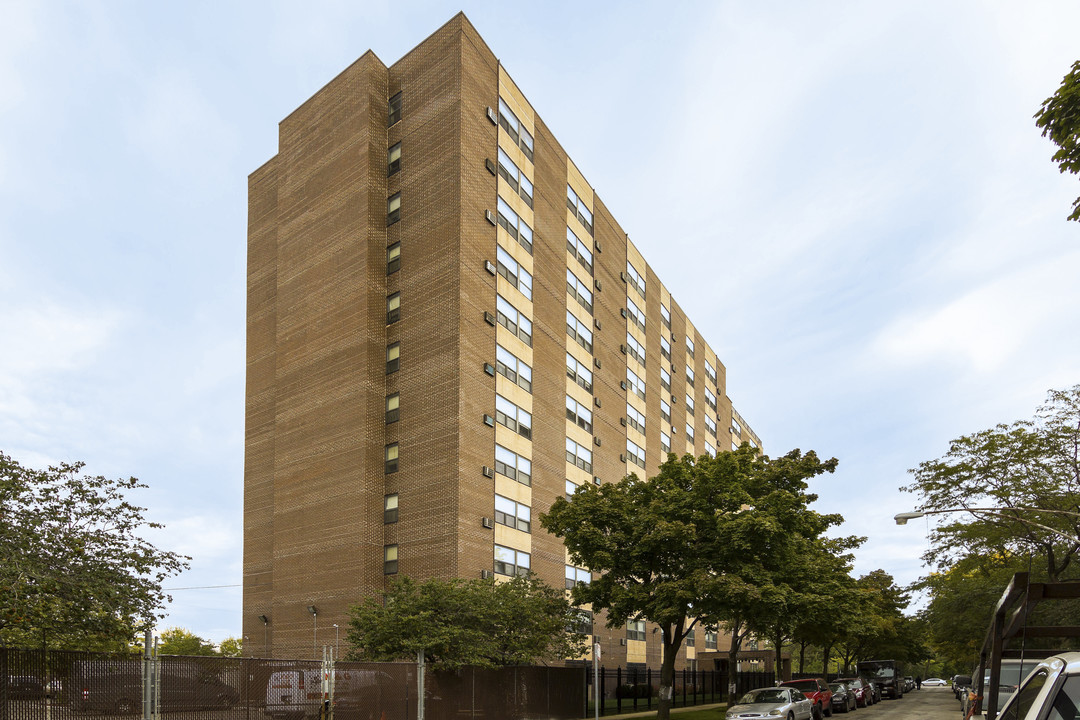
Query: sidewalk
674,711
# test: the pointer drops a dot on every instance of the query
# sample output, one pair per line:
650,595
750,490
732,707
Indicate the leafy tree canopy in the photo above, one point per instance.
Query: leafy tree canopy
74,570
1028,473
458,622
1059,118
702,541
231,647
178,641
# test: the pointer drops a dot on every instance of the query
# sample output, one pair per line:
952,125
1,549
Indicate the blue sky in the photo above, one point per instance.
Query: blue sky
849,199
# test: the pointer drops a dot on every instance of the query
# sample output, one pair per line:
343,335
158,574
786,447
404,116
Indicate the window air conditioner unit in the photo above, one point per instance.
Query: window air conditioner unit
622,349
488,472
486,574
489,318
597,246
622,421
486,522
622,384
596,479
489,369
596,362
489,421
599,285
596,322
492,116
596,441
622,275
622,457
596,400
622,641
489,266
489,165
622,311
491,219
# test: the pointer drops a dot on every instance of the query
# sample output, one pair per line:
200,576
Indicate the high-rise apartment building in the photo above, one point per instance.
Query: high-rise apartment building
447,330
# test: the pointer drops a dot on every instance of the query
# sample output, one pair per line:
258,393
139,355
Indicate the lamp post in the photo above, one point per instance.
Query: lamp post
314,631
902,518
337,632
266,635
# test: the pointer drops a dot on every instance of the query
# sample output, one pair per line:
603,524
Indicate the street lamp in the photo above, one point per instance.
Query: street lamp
314,631
337,630
902,518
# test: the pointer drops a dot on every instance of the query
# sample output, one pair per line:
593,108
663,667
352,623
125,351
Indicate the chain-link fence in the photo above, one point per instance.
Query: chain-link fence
58,685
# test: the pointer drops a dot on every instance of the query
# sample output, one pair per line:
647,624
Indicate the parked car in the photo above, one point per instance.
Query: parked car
779,702
875,689
961,685
864,695
23,686
1012,672
817,691
843,697
885,674
1051,690
909,683
116,686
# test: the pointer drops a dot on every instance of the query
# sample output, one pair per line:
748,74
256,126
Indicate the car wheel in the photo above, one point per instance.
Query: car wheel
790,715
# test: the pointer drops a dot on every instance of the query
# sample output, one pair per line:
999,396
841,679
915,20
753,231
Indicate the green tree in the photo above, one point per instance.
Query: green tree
74,570
466,622
1059,118
231,647
700,542
1027,473
178,641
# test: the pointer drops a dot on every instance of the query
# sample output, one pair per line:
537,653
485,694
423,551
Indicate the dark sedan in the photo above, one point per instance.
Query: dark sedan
843,697
864,694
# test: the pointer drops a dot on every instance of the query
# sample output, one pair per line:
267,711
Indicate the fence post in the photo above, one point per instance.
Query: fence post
419,685
648,681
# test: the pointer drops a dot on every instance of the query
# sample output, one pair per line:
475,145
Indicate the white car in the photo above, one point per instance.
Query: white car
774,702
934,682
1049,692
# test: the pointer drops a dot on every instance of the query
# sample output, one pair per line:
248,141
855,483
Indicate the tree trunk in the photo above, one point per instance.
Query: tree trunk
826,651
778,645
802,657
671,640
733,660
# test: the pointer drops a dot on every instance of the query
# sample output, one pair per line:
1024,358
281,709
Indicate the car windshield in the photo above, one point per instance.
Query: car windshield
1012,673
769,695
837,687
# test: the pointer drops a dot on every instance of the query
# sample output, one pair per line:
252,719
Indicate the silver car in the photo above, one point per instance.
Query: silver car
773,702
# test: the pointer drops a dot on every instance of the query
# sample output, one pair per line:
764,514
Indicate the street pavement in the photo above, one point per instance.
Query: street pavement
929,703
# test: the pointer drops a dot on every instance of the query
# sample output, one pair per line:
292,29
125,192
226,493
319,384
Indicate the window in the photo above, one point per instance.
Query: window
665,347
1066,701
393,159
514,225
689,403
582,623
392,408
390,559
635,630
710,425
512,514
513,417
393,356
578,455
511,319
508,121
689,346
579,290
736,427
690,636
633,277
734,446
1063,706
579,250
509,561
583,214
571,488
395,110
689,432
393,209
636,315
579,331
513,369
710,399
512,465
635,453
635,349
635,419
665,410
665,315
515,178
578,372
665,379
710,449
665,442
710,639
710,372
578,414
390,509
636,384
577,576
393,308
515,274
690,376
390,458
393,258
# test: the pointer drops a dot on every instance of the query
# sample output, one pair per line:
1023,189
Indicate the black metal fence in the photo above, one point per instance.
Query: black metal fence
59,685
625,690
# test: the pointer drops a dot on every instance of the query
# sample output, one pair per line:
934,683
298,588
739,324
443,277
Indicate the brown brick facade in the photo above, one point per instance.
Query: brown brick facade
318,332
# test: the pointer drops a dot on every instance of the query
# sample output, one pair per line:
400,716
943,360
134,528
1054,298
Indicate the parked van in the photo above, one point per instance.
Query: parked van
298,694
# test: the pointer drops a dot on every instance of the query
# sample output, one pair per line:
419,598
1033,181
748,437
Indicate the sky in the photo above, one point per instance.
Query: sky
850,201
